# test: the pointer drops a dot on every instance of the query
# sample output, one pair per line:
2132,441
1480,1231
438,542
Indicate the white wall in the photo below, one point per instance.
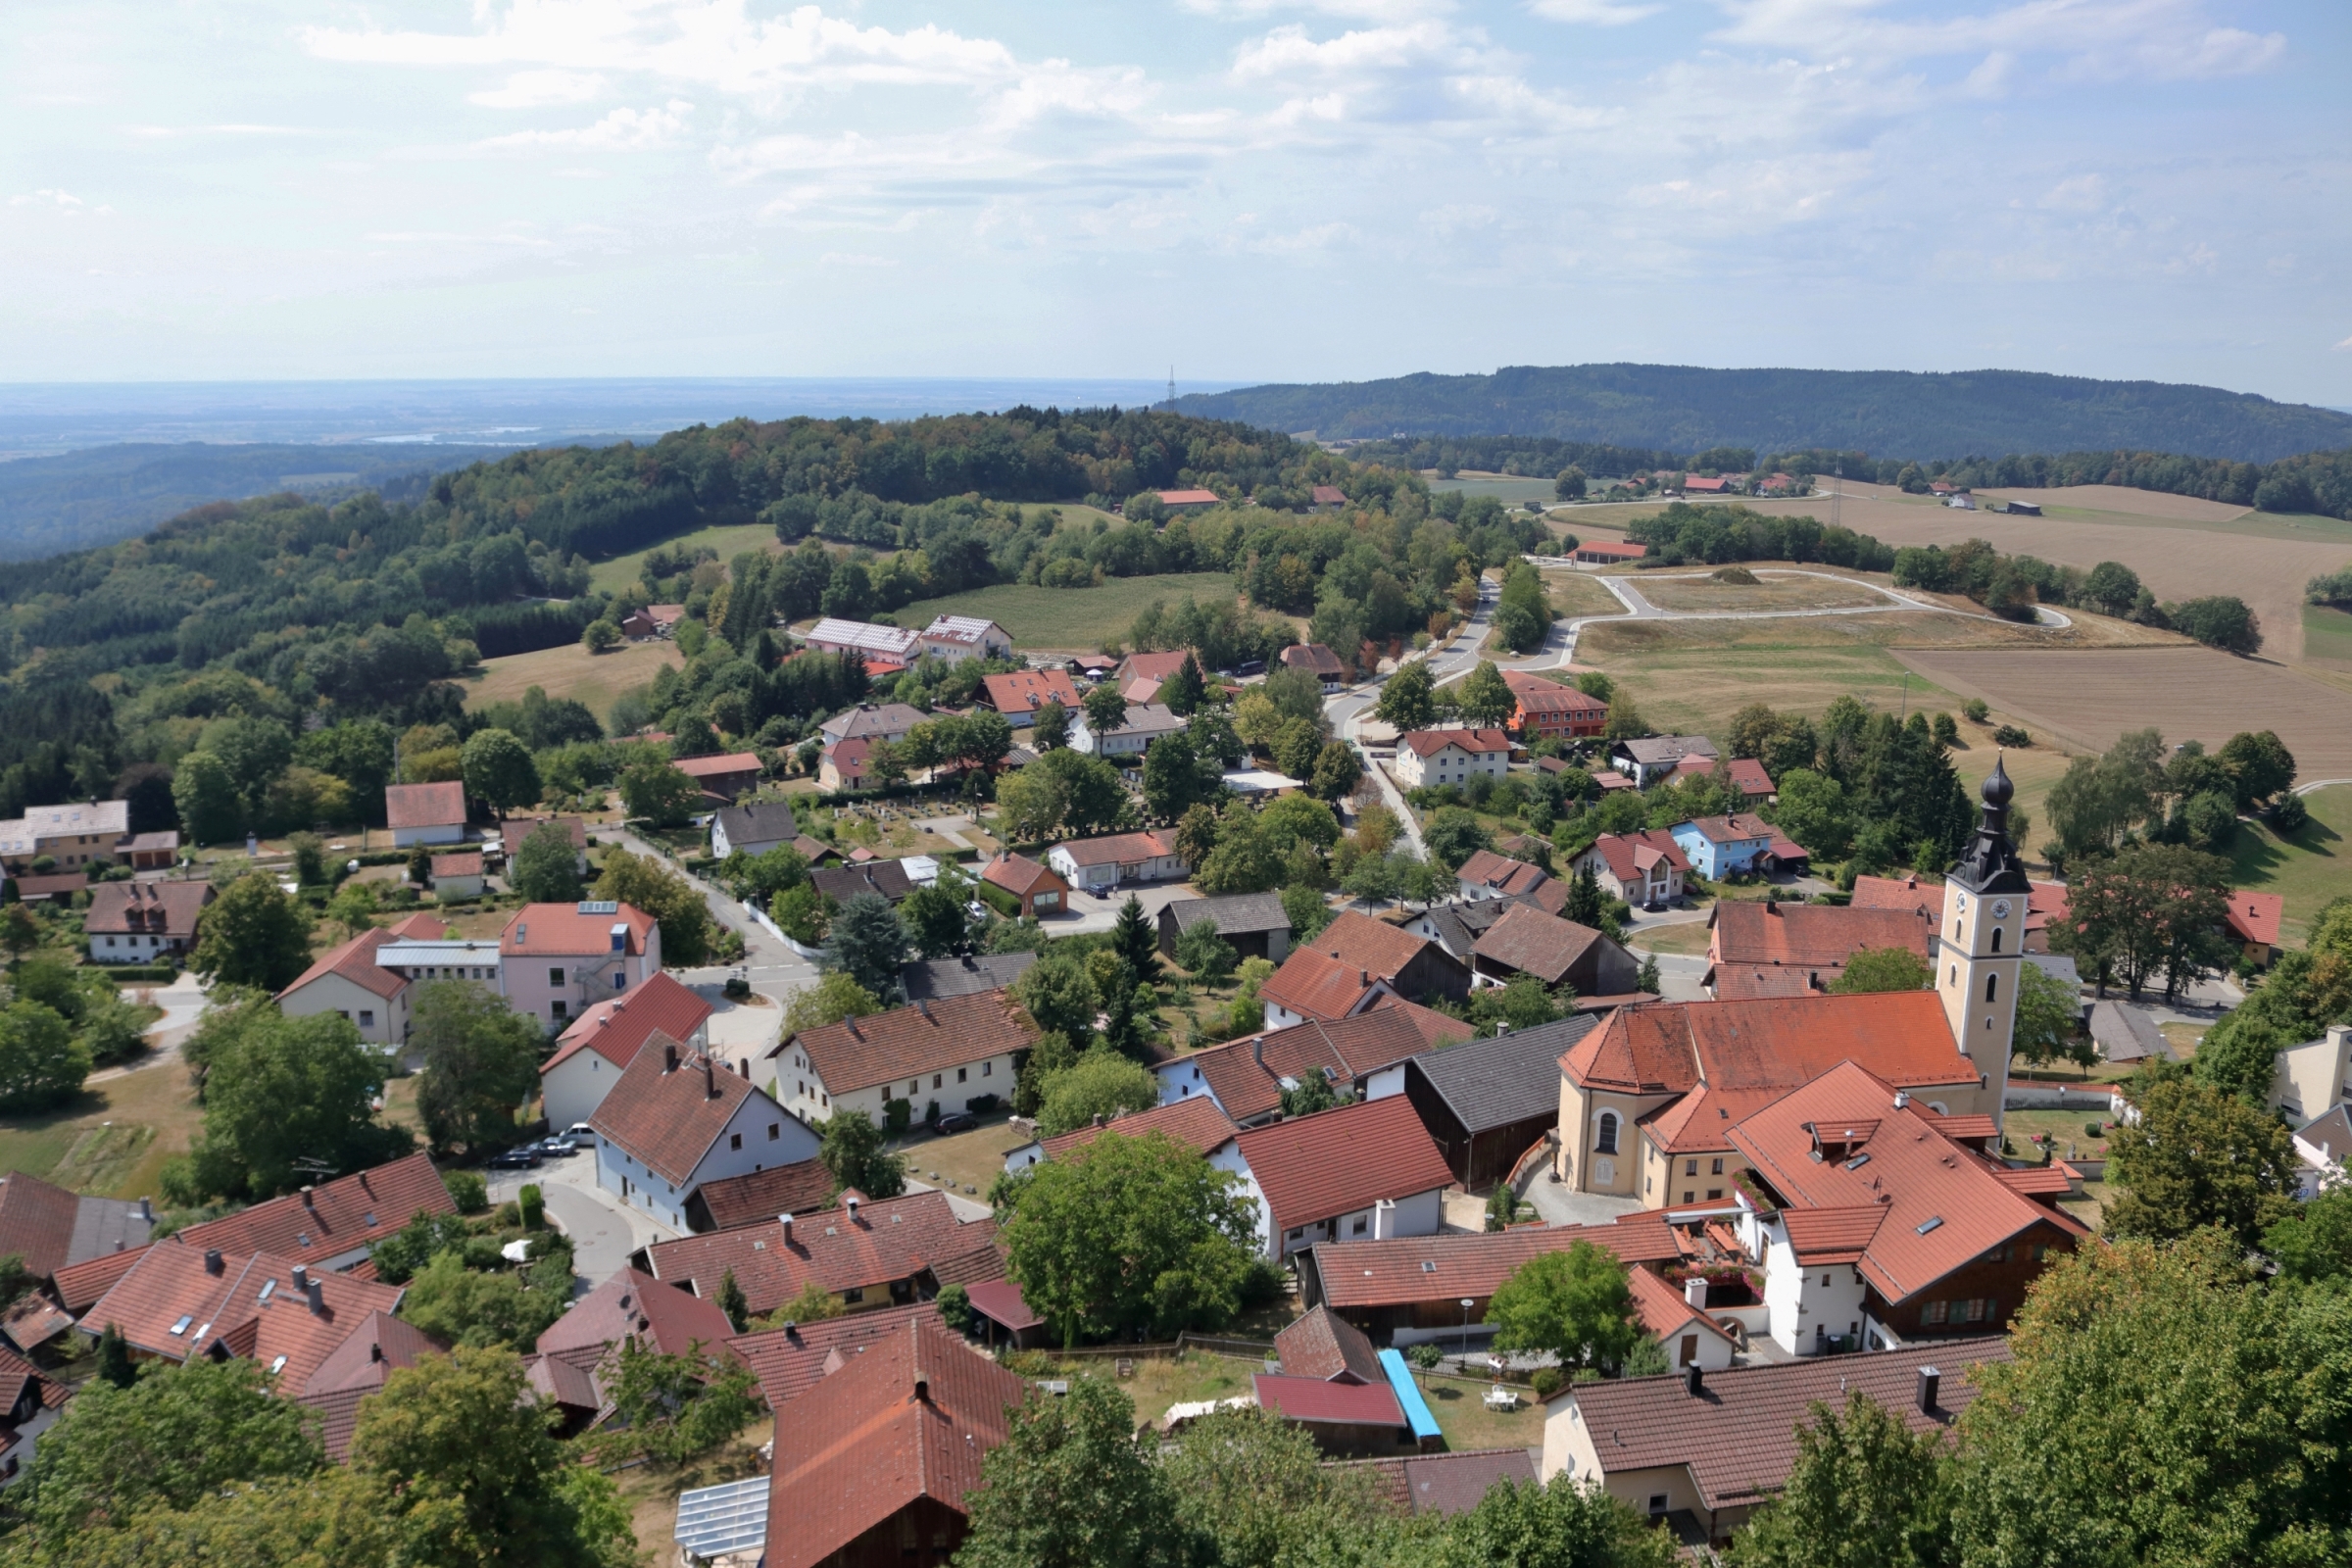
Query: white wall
1420,1214
1800,1302
1183,1080
441,833
381,1019
795,1086
2310,1078
768,1135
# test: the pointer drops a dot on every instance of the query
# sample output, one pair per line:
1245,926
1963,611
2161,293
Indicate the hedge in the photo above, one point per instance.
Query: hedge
139,973
1001,900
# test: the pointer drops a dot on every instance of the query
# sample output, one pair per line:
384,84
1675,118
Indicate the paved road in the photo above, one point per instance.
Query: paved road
772,968
604,1231
1641,609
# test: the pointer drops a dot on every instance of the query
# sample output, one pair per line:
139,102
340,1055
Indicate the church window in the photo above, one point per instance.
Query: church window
1996,939
1992,985
1605,1142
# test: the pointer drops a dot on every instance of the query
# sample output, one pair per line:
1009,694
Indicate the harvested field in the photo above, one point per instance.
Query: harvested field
1895,628
1769,592
2117,498
2087,699
572,671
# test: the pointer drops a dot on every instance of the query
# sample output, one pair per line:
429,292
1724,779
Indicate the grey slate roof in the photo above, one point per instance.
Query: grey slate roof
761,822
1496,1079
2331,1135
2127,1034
1460,925
842,883
102,1225
932,979
1234,913
1659,749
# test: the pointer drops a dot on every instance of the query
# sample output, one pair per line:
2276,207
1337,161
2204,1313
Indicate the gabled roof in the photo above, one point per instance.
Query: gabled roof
2255,917
1538,694
421,926
790,1361
1315,985
935,979
1735,827
1314,658
1118,847
2331,1135
1630,857
616,1030
355,961
1906,892
49,1227
757,1197
758,822
1152,667
1324,1165
1659,749
441,805
1737,1435
1444,1483
1327,495
1891,1194
1748,777
1430,742
1528,939
910,1419
842,883
871,720
865,636
80,1285
1447,1267
1235,913
891,1239
1811,936
1496,1080
1000,1302
1195,1124
380,1346
663,1318
1311,1399
1665,1311
668,1114
1435,1028
1246,1075
464,862
1374,946
1670,1047
1507,876
1020,875
1749,983
250,1307
1144,717
923,1037
1322,1346
162,909
1028,690
967,629
1701,1121
573,930
332,1218
720,765
2125,1033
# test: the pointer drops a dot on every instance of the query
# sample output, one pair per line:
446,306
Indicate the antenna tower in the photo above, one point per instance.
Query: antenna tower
1171,387
1837,497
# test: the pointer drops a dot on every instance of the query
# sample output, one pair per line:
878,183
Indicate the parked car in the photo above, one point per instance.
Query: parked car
527,1157
559,1146
580,1133
956,1122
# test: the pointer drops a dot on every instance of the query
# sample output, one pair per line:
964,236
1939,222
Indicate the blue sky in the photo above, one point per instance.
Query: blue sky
1251,189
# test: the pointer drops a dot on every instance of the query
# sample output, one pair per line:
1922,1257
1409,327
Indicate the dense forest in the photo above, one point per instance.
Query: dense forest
1669,408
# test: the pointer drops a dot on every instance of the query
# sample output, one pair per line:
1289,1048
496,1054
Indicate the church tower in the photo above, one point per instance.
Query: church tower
1978,953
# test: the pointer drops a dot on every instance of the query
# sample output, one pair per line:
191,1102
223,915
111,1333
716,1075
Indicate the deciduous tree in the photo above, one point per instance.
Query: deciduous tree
278,1091
547,868
1484,698
1874,970
498,770
1409,699
1071,1488
481,1064
1574,1304
253,935
867,943
2198,1156
687,928
1866,1492
1101,1082
852,1152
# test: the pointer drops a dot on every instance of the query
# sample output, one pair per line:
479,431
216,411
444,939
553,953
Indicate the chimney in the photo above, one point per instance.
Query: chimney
850,1205
308,1201
317,1298
923,1007
301,1277
1098,1118
709,1080
1931,1383
670,1057
1772,903
212,1261
375,1352
922,1391
147,1210
1695,1293
1903,1097
1694,1380
785,1220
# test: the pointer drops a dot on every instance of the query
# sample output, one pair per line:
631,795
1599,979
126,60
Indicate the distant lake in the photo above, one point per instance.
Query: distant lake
40,418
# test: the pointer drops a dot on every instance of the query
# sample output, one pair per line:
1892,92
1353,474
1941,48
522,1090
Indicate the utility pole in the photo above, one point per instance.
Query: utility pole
1837,497
1171,390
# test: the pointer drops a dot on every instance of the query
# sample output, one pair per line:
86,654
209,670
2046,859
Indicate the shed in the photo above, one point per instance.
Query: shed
1254,924
2124,1033
1488,1101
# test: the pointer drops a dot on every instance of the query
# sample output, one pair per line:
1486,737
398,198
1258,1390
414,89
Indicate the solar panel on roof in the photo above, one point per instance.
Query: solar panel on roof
713,1521
599,906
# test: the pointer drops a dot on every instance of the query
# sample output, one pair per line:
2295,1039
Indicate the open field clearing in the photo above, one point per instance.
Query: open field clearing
2189,693
2327,637
572,671
2126,500
1768,593
2310,868
113,1137
1508,489
1077,619
729,541
1575,593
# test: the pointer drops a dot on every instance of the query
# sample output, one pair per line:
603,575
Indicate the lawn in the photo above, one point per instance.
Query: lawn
1578,593
1078,620
571,670
1459,1404
2310,868
1768,592
1688,938
2326,635
2067,1126
1509,489
973,1160
730,541
113,1137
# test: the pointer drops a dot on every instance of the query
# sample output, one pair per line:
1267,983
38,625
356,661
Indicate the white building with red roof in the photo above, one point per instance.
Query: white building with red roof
948,1051
1431,756
591,1055
1645,869
1094,864
426,814
1363,1172
348,981
678,1118
559,959
956,638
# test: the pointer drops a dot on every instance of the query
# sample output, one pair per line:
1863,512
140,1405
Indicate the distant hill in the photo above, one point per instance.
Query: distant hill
95,497
1884,412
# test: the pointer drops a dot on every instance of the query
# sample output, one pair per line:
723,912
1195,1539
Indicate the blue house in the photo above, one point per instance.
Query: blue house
1717,846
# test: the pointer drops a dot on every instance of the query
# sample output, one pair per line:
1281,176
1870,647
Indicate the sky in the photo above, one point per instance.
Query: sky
1243,190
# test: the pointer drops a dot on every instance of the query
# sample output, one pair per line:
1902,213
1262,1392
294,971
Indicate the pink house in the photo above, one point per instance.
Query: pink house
559,959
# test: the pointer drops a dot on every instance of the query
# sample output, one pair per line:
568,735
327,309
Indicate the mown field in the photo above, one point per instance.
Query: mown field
572,671
2310,868
1702,593
1074,619
621,570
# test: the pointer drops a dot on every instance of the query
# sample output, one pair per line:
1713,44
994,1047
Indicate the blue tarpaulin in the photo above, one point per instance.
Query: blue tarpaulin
1408,1395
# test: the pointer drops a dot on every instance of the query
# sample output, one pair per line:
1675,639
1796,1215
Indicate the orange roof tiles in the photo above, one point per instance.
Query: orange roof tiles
80,1285
441,805
1441,1268
1314,985
1534,943
667,1112
1026,691
760,1196
1811,936
332,1218
155,908
892,1239
923,1037
2255,917
1430,742
1630,857
1324,1165
1906,892
1246,1075
1311,1399
1748,777
252,1308
1367,943
789,1362
1195,1124
1670,1047
1501,873
1020,875
719,766
664,1319
355,961
1321,1346
567,931
616,1030
1664,1310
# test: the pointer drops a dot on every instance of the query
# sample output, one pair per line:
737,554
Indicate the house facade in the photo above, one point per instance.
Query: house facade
1430,756
753,829
1019,695
1645,869
73,835
144,922
1038,890
426,814
348,981
956,638
677,1120
1550,710
1363,1172
1095,864
1145,723
591,1055
946,1051
1647,761
1719,845
558,959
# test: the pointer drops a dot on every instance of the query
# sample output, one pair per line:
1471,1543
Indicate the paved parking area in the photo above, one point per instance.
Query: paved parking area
604,1231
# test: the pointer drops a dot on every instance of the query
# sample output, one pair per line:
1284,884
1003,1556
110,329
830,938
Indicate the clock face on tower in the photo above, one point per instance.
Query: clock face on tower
2000,909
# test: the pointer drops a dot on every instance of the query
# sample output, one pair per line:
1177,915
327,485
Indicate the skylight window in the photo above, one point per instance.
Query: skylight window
1428,1268
279,1365
1930,1223
1857,1162
181,1327
268,1288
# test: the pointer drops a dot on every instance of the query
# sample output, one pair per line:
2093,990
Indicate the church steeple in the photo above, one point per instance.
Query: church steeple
1979,950
1990,863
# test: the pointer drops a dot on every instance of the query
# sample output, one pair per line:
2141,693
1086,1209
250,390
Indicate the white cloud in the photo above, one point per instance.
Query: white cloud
622,130
2345,347
1593,13
1362,10
2083,193
536,89
53,198
162,132
855,259
1288,52
2161,40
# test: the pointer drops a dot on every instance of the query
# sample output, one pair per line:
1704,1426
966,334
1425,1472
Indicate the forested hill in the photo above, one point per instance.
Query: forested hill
1888,414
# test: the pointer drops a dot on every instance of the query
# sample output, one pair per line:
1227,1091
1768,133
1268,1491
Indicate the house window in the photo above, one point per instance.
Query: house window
935,1077
555,976
1605,1142
621,982
986,1068
1933,1313
734,1140
963,1073
1714,1192
775,1131
1657,1504
366,1018
557,1008
1357,1229
854,1295
1689,1196
1689,1167
1718,1168
1996,939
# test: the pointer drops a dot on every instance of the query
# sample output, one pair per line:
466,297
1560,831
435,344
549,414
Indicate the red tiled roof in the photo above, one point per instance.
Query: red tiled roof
1444,1483
50,886
355,961
1811,936
380,1346
36,1223
515,829
564,931
892,1239
80,1285
1430,742
1370,944
419,927
1314,986
1748,777
161,909
1746,983
466,864
760,1196
789,1362
1321,1346
1732,828
2255,917
1701,1121
719,766
1738,1436
1020,875
668,1116
923,1037
1446,1268
1246,1075
1115,848
332,1218
618,1029
1333,1161
1026,691
1195,1124
1000,1302
1905,893
1665,1311
1435,1028
1833,1235
441,805
1630,856
908,1420
1314,658
1534,943
666,1320
166,1283
1538,694
1181,498
1329,495
1670,1047
1500,872
1612,549
1371,1405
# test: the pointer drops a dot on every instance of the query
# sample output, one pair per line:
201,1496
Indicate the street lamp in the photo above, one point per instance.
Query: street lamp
1468,1301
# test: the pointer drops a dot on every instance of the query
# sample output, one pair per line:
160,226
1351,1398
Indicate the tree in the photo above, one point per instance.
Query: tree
936,921
867,943
1374,879
1866,1492
253,935
41,1063
673,1408
1185,690
2049,1020
1031,802
1071,1488
2198,1156
600,636
1486,699
1574,1304
2258,765
1204,954
1136,940
1049,727
732,1302
1245,859
1521,1002
163,1440
547,868
1812,810
1174,778
1099,1084
833,998
1105,708
1059,996
114,1366
658,793
1130,1235
19,929
1624,721
2148,912
498,770
643,883
1874,970
1569,484
481,1307
481,1064
474,1475
1409,699
1255,1489
1337,770
1566,1524
1454,835
1523,613
280,1091
2220,620
2240,1055
853,1152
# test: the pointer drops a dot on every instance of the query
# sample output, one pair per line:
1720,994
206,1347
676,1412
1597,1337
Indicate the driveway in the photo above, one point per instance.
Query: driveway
1561,1205
604,1231
184,1003
774,970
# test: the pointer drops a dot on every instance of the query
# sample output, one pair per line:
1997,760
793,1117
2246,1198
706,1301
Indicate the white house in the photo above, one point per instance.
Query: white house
426,814
1093,865
943,1053
558,959
350,981
960,637
473,959
1645,869
832,635
2323,1146
458,876
1146,723
2310,1079
753,829
602,1042
143,922
1363,1172
677,1120
1427,757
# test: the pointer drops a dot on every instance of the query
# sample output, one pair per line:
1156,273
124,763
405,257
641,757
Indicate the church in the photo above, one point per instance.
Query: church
1648,1101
